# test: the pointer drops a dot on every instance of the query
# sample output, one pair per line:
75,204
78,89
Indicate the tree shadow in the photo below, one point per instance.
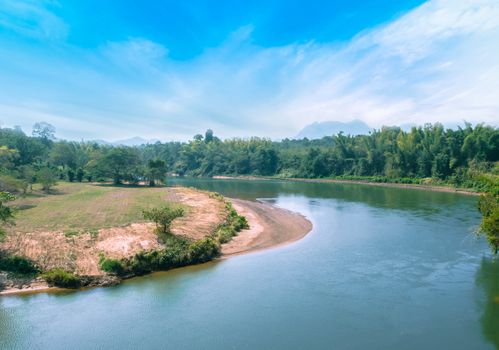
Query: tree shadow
25,206
488,279
125,185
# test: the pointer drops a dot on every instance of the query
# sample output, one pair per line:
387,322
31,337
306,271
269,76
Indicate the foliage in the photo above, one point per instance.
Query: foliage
71,175
178,250
114,266
80,174
61,278
489,207
47,177
6,212
203,250
44,131
17,265
163,216
156,171
464,157
120,163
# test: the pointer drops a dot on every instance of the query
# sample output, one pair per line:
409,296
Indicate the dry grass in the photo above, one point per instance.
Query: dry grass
71,227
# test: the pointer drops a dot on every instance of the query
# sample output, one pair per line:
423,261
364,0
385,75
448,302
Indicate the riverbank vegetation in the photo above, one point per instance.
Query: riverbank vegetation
179,250
466,157
78,233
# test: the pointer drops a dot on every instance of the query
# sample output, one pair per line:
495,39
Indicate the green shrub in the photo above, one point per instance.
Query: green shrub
112,266
203,250
60,278
17,265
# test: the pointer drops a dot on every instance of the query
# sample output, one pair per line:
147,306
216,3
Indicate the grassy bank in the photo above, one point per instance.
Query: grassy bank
81,234
81,206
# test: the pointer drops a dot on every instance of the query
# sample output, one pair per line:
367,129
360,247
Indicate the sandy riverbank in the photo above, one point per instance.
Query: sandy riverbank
270,226
433,188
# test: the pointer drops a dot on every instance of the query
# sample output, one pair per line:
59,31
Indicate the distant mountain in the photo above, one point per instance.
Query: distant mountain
318,130
133,141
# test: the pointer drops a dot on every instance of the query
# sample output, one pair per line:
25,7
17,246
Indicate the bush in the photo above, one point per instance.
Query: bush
203,250
17,265
6,212
61,278
488,205
112,266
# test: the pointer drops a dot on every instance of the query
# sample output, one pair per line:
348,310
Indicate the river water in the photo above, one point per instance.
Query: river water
383,268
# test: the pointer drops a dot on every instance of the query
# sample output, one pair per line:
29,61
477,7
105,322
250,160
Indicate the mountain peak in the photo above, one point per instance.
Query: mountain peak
318,130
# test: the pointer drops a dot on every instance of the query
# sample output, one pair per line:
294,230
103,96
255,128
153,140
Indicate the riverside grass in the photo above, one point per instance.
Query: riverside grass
85,208
76,208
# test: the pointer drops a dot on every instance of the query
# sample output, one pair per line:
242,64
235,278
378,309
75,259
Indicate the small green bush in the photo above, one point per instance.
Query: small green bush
17,265
112,266
60,278
203,250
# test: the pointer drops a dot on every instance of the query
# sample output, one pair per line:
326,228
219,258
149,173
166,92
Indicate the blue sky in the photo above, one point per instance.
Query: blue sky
168,70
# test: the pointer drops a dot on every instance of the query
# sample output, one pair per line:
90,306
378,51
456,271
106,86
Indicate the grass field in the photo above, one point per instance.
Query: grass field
82,206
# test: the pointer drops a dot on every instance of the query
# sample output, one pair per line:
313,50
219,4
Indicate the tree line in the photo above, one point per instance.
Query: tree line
466,157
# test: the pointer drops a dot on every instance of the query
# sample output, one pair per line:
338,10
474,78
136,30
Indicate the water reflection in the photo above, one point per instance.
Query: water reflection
422,203
488,280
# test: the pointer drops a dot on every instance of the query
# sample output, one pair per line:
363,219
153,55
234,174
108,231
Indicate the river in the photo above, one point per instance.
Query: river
383,268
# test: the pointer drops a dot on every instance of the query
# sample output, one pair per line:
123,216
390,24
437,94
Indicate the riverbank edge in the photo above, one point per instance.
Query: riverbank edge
265,218
433,188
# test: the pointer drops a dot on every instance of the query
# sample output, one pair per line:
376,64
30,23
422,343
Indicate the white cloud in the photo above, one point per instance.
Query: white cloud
436,63
32,19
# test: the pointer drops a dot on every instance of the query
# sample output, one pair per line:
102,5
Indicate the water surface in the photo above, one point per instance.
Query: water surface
383,268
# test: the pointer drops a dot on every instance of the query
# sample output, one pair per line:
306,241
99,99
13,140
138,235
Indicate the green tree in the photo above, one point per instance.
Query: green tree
163,216
80,174
120,163
208,136
47,177
44,131
156,171
6,212
71,175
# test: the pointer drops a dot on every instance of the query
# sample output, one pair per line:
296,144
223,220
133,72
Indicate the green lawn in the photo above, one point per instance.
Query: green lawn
82,206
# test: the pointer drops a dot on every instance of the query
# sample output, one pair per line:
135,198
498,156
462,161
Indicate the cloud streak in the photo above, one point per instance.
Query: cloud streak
435,63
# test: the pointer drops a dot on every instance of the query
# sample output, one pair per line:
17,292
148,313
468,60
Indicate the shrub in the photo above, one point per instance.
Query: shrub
60,278
17,265
203,250
6,212
112,266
